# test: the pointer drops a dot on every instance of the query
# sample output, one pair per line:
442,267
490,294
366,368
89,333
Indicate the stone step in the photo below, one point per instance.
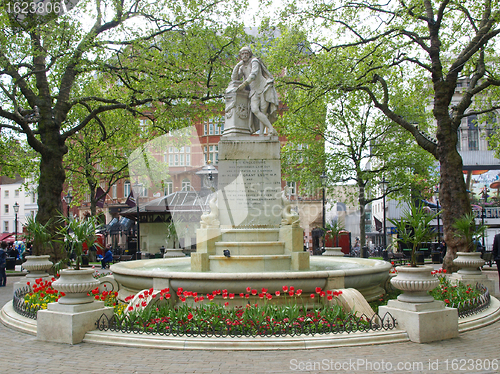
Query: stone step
250,235
251,248
250,264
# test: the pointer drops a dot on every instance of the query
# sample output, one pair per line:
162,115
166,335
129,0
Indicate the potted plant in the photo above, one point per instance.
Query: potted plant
332,233
415,281
469,261
41,238
76,282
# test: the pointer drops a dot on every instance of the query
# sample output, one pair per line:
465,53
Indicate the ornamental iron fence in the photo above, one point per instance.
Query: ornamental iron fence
21,307
136,325
473,306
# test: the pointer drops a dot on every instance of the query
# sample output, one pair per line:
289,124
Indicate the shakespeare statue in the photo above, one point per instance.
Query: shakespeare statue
250,77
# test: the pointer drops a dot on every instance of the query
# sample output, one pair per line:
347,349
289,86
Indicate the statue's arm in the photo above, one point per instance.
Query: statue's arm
235,76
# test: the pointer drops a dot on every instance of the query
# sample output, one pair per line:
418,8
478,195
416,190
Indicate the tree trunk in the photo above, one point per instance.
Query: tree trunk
453,196
50,187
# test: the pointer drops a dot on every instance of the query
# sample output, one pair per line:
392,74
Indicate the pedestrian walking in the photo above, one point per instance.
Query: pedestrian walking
496,253
3,264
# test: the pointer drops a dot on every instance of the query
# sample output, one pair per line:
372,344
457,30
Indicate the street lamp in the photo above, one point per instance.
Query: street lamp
483,214
323,182
436,195
383,185
68,199
136,188
16,210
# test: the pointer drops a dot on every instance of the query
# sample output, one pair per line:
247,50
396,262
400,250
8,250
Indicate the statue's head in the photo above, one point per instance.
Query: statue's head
247,51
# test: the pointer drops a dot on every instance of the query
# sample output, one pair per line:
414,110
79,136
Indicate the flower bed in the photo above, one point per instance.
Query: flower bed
199,315
466,298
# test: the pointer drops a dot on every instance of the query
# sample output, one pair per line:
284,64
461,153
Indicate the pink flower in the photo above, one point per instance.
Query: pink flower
312,296
249,289
190,316
226,304
285,288
318,289
277,293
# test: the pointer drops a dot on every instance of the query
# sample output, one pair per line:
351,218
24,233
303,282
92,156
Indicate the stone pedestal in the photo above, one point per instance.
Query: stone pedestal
68,324
425,322
473,279
238,114
249,182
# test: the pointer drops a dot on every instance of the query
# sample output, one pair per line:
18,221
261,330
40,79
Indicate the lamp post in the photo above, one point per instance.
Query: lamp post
436,195
16,210
136,188
383,185
323,182
68,199
483,214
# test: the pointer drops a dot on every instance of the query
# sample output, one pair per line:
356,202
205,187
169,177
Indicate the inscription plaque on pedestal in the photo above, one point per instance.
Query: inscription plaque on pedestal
249,188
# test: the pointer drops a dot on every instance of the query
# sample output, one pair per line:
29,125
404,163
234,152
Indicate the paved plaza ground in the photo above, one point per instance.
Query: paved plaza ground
469,353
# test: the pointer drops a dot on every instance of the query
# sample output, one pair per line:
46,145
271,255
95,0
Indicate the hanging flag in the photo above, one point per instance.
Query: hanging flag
130,200
100,196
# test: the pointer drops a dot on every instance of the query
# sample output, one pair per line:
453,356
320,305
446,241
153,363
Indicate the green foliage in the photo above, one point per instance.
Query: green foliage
466,228
39,235
414,228
73,71
74,234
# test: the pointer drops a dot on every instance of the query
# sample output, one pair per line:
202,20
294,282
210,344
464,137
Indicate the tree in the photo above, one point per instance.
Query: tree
362,148
166,53
98,156
402,54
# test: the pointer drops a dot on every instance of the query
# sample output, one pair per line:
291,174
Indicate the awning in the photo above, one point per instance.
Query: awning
7,237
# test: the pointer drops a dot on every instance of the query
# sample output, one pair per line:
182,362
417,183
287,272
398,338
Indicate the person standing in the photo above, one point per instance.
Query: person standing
3,265
496,253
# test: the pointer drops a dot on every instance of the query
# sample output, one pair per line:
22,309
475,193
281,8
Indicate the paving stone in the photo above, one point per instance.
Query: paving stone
22,353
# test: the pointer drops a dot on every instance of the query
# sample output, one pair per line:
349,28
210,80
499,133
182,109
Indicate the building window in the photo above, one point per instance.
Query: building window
6,208
6,193
144,191
16,193
169,187
126,189
114,193
33,198
473,133
292,188
5,226
490,127
186,185
211,153
459,139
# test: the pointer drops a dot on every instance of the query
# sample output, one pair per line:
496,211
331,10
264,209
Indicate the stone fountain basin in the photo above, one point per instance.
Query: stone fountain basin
365,275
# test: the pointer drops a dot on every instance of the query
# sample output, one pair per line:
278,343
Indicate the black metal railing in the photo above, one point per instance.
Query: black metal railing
21,307
473,306
135,325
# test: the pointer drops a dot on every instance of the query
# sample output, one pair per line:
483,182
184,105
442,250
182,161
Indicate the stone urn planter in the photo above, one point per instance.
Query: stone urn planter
37,266
76,284
333,251
469,263
415,282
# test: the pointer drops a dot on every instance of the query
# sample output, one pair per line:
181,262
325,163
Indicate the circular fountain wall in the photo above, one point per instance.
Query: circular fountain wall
365,275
